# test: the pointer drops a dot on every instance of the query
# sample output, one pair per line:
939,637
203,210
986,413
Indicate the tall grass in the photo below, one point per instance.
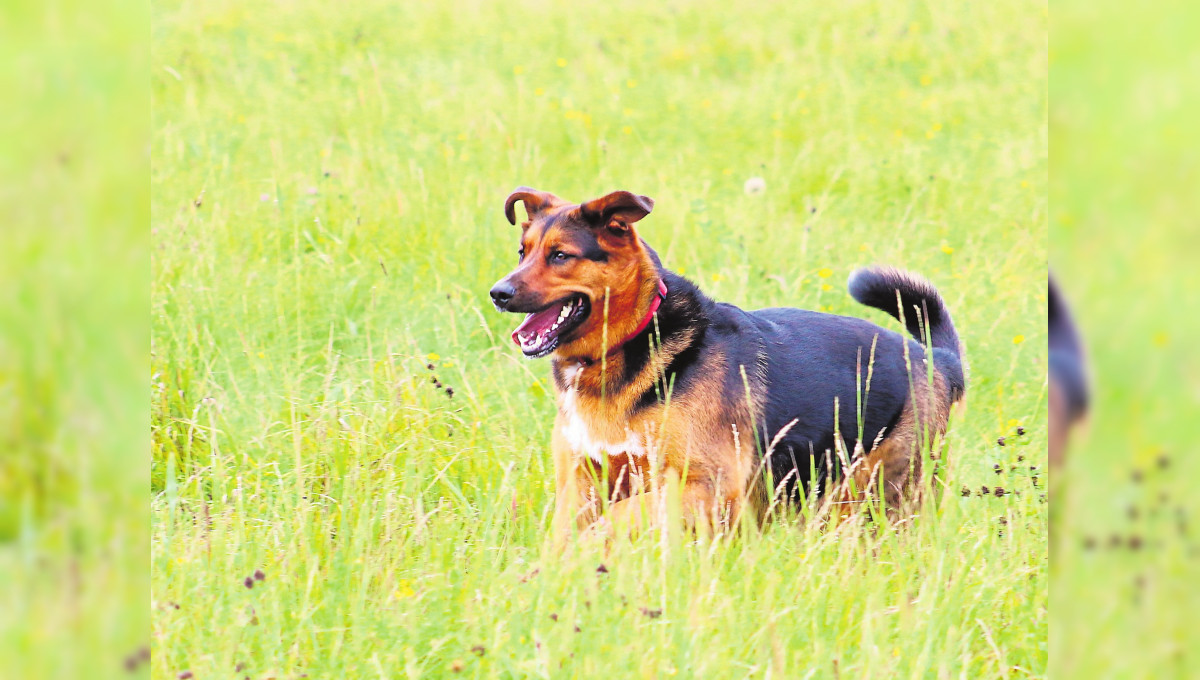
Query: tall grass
327,187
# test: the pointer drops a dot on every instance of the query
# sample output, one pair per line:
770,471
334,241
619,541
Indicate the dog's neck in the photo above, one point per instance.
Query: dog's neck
627,371
655,302
617,313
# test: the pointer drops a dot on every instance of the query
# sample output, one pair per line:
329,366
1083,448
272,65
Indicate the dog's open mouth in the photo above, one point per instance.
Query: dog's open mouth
539,334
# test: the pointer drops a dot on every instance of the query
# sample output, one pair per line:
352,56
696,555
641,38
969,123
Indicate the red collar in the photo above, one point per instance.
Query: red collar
654,305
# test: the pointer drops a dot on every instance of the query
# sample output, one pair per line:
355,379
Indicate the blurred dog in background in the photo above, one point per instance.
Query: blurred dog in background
1068,379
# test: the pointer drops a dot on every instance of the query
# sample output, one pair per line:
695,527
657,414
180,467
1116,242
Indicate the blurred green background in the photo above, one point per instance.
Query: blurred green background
74,290
1124,243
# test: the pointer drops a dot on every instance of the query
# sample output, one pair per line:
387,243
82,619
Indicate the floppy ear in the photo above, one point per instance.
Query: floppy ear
617,210
535,201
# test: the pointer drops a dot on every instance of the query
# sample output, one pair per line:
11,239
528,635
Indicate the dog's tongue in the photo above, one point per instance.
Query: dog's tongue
536,325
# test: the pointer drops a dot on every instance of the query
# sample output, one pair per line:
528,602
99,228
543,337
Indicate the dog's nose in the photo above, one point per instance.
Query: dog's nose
502,293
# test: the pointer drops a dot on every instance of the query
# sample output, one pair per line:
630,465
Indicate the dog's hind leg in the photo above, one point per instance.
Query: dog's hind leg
891,471
890,468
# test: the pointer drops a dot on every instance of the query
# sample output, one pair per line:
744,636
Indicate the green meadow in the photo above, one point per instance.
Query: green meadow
335,404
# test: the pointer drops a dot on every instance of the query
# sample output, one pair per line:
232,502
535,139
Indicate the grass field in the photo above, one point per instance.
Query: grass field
327,185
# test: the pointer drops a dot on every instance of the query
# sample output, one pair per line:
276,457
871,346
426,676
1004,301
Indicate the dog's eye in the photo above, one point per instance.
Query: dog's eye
559,256
520,253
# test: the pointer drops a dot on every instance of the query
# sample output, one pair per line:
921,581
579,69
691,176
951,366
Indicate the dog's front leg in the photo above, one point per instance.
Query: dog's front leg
575,507
575,498
697,508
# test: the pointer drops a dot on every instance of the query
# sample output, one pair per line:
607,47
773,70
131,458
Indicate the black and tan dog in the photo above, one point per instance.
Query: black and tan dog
656,381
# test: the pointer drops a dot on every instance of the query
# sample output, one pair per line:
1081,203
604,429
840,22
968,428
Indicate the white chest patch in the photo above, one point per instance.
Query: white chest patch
581,438
570,372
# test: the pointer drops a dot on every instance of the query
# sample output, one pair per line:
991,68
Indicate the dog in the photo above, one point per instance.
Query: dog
659,387
1068,377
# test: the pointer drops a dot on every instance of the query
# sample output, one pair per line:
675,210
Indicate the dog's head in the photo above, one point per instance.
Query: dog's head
571,260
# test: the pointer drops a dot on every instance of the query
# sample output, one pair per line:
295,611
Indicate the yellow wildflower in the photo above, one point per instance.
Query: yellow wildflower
403,589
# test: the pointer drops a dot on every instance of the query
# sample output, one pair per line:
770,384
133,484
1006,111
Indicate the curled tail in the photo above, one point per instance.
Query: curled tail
922,311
